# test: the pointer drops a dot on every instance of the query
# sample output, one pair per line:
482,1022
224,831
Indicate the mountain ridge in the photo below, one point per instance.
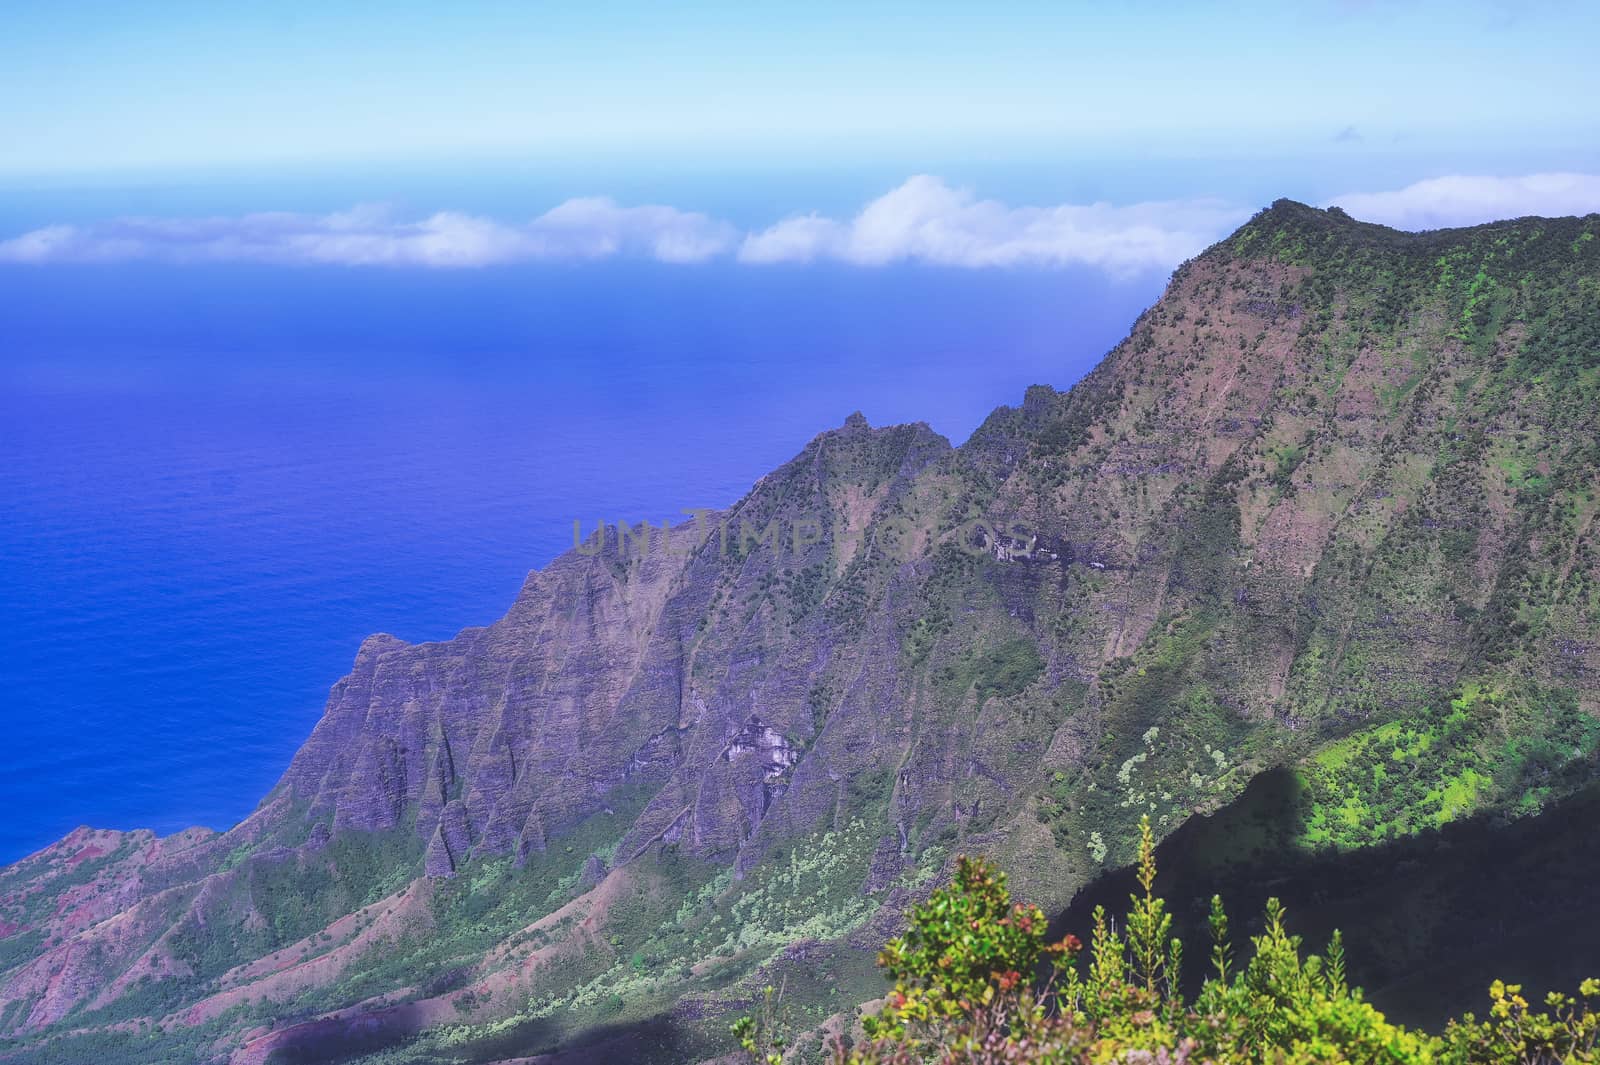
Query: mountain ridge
1328,500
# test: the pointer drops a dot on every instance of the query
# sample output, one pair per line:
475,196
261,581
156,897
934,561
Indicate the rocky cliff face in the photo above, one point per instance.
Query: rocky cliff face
681,663
1329,507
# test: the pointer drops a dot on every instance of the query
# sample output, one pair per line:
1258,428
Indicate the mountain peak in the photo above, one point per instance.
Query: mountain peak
1298,233
1284,221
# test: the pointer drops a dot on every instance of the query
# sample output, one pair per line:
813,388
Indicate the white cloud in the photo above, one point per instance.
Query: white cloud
1460,200
926,220
590,228
596,227
923,220
794,240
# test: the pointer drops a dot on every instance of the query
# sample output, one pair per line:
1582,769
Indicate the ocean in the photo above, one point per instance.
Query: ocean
215,481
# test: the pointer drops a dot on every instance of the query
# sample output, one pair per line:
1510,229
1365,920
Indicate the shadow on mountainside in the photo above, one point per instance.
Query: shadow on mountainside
1429,921
654,1040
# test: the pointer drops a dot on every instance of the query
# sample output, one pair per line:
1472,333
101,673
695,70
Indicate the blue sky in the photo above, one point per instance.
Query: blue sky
122,88
1121,137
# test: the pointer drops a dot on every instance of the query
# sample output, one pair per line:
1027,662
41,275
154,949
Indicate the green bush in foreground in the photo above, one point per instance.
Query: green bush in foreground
965,992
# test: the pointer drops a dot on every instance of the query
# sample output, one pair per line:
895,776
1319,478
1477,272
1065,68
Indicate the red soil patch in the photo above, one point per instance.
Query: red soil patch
91,851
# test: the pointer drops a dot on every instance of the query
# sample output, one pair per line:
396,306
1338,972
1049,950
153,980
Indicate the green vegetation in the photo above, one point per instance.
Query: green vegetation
1430,768
1000,671
965,991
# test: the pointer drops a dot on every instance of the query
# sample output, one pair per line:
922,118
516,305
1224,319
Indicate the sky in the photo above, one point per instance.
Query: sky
1124,137
102,86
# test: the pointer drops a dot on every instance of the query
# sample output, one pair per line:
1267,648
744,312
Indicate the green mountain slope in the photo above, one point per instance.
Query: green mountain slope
1328,511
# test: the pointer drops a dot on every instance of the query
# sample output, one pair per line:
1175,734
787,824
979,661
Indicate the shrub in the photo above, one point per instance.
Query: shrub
976,983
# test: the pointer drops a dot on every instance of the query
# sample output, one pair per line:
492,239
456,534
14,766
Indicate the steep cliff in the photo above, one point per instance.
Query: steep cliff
1328,509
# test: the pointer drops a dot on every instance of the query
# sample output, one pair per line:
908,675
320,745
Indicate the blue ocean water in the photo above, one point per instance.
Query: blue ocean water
214,482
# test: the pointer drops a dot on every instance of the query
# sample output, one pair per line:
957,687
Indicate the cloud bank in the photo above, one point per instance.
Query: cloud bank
1460,200
924,220
590,228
